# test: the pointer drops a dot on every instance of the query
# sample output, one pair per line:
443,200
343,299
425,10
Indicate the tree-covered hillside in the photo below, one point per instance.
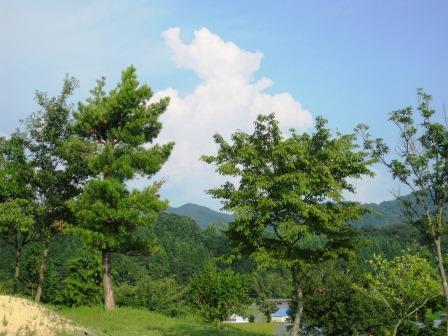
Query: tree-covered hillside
203,216
384,213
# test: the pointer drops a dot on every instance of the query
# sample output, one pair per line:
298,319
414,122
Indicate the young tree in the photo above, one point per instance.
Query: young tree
58,165
288,202
268,308
17,210
421,163
215,295
404,286
117,126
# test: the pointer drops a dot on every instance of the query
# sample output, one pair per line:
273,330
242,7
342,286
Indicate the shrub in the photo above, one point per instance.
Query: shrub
215,295
83,286
161,295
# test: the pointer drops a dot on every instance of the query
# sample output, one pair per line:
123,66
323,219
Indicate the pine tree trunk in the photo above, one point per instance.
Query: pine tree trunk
16,271
442,273
109,302
43,265
298,295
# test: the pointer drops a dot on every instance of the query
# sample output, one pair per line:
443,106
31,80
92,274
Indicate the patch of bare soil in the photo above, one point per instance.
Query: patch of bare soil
21,317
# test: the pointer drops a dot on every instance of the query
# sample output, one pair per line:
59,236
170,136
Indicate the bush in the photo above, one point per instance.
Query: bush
83,286
161,295
215,295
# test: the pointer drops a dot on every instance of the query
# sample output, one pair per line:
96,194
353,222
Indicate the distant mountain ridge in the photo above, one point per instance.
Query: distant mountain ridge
203,216
384,213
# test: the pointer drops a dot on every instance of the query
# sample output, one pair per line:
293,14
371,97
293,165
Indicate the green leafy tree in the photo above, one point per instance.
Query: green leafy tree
17,210
288,203
117,126
421,164
217,294
58,163
267,308
404,286
82,286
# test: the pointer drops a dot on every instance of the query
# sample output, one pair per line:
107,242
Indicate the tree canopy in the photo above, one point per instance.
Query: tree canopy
288,195
421,163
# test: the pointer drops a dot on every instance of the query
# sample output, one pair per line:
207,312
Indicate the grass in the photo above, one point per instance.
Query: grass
135,322
258,328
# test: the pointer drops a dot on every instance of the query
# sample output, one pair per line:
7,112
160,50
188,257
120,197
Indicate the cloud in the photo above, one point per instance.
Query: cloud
226,98
376,189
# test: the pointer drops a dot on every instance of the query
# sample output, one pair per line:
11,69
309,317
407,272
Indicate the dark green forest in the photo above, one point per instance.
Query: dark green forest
158,282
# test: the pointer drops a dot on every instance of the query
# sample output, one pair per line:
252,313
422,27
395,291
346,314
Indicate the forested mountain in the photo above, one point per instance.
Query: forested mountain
203,216
384,213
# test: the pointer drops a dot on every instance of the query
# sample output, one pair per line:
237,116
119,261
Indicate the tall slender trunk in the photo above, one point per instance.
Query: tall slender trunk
109,302
396,326
442,273
43,265
298,295
17,270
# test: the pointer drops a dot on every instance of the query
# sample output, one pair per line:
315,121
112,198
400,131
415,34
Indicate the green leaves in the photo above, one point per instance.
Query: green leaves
117,128
287,200
162,295
82,286
215,295
421,163
17,210
422,156
16,217
16,171
114,127
404,285
288,190
123,116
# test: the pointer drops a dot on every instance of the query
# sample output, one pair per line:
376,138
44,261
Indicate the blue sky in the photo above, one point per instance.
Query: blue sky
350,61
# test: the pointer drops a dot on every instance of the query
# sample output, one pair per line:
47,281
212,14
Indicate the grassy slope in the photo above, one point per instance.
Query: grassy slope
134,322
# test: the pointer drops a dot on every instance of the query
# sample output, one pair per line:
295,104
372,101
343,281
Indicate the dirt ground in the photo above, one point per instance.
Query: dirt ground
21,317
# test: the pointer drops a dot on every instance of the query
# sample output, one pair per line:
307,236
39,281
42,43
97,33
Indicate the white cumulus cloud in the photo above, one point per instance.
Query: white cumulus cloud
225,99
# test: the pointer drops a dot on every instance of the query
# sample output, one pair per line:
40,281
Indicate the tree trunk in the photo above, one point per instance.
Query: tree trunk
298,295
396,326
16,271
109,302
442,273
43,265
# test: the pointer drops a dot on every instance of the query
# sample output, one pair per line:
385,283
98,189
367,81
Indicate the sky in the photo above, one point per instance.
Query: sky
224,62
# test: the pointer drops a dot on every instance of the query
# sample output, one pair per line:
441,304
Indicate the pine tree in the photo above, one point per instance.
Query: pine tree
118,126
